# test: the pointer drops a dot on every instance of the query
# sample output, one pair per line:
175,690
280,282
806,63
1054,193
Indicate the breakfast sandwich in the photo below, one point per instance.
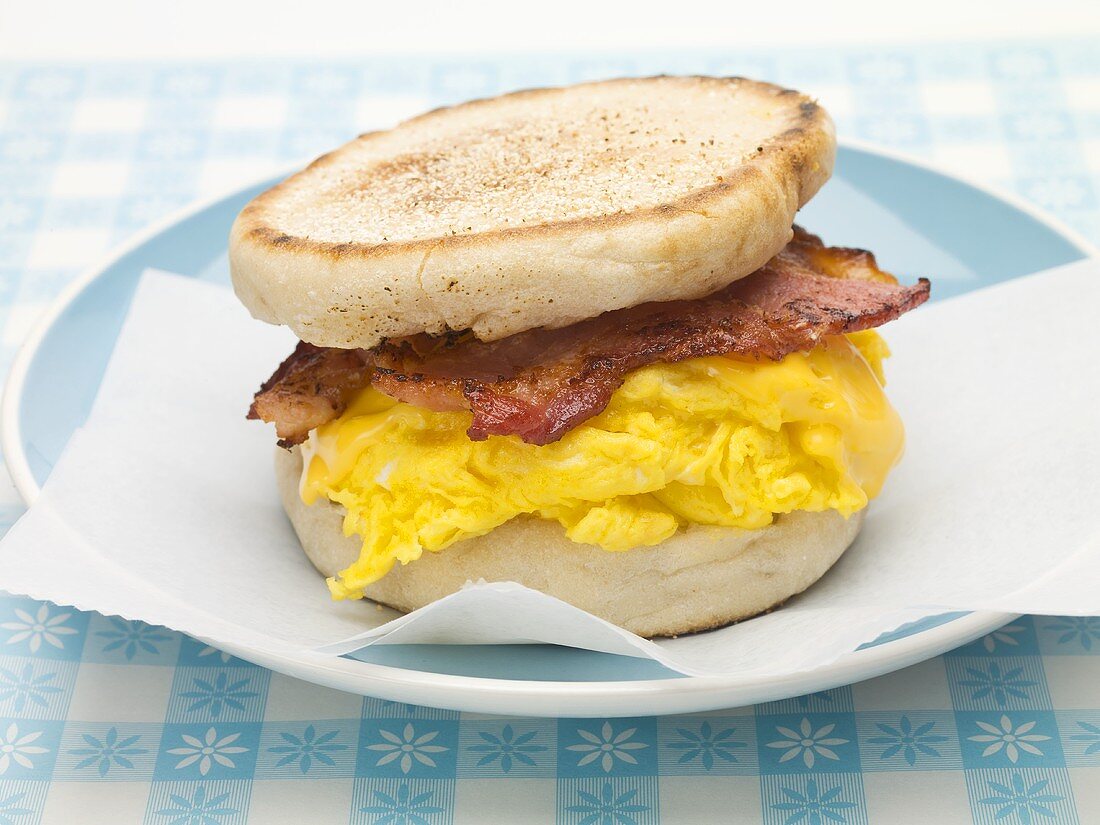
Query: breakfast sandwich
572,338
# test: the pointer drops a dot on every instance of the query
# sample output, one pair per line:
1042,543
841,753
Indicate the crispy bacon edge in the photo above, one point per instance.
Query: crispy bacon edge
542,383
310,388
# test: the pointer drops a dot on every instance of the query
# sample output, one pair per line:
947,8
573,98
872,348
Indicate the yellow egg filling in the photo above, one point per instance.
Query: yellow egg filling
713,440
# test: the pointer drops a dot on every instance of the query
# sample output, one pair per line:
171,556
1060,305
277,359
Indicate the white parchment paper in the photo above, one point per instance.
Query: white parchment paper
163,506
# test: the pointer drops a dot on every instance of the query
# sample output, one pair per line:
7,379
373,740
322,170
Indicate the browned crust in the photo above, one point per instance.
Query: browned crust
802,139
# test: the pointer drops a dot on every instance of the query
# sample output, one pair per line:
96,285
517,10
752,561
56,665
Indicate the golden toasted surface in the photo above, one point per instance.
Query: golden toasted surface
533,158
493,214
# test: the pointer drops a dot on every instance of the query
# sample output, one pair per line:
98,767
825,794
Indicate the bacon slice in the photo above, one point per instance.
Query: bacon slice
310,388
541,383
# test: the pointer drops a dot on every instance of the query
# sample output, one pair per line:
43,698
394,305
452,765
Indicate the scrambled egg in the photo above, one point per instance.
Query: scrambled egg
712,440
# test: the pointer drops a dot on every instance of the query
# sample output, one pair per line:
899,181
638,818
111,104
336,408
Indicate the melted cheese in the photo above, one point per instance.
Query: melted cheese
713,440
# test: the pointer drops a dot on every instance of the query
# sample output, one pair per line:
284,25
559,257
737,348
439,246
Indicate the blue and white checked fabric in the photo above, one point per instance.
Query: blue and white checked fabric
105,720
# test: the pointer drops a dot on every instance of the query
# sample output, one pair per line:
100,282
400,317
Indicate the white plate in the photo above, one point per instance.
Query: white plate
916,219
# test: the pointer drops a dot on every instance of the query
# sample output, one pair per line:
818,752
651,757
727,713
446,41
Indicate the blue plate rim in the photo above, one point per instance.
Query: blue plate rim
489,694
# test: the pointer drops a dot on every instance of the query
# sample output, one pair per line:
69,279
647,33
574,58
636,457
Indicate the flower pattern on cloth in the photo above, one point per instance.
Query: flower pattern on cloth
18,748
402,807
1092,736
1085,630
813,806
198,809
407,746
12,808
132,636
1021,798
27,686
998,683
607,746
213,652
1004,636
307,748
208,751
908,740
807,743
112,750
706,745
43,626
1012,738
219,694
507,748
608,808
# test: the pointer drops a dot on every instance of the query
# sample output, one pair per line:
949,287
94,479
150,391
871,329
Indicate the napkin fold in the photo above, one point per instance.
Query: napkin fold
163,506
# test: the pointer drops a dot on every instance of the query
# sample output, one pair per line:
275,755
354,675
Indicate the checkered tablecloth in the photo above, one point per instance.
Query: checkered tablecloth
104,720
